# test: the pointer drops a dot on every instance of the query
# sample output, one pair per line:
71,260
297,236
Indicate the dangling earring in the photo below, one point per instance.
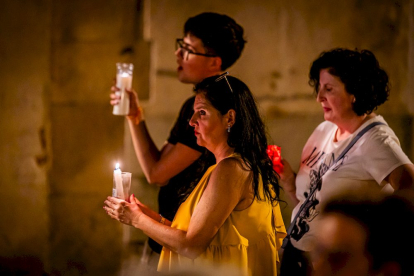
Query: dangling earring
353,101
228,128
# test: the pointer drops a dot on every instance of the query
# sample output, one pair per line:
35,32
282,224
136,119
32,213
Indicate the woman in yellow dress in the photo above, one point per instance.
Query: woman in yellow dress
232,218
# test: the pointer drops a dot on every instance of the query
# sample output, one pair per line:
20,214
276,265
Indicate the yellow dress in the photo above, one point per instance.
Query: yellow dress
246,240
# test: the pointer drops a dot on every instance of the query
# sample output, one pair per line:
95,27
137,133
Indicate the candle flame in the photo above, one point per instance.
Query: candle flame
117,166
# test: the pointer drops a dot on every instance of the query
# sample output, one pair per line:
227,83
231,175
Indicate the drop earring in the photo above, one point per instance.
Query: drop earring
228,128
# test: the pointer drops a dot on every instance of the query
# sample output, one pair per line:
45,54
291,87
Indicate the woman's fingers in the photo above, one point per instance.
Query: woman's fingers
132,198
114,209
114,88
114,96
109,211
121,210
113,203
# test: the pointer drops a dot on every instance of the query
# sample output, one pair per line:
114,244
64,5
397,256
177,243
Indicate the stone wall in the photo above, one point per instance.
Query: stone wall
59,141
25,149
88,38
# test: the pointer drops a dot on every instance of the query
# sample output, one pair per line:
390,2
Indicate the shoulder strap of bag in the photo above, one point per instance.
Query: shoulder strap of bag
350,145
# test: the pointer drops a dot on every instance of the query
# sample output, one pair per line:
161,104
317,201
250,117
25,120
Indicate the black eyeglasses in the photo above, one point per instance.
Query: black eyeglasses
185,51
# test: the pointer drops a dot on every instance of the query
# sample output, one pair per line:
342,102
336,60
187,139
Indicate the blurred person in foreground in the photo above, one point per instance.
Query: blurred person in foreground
232,217
349,85
212,43
365,234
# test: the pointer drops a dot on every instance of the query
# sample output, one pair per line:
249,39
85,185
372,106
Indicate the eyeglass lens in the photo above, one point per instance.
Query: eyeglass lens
185,52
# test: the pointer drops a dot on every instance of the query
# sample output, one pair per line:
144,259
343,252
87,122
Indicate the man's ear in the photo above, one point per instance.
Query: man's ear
216,64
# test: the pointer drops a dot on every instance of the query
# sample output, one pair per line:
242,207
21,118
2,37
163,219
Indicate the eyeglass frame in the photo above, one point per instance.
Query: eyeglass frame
179,44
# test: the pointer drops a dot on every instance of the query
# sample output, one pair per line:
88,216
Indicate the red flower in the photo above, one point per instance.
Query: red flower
274,154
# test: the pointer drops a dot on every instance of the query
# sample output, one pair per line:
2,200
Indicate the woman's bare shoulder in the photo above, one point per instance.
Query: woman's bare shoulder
232,169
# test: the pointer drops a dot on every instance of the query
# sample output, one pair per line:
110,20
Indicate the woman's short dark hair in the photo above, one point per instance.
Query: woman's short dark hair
361,74
220,34
248,135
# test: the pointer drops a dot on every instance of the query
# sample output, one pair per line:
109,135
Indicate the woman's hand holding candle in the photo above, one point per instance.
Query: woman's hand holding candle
123,211
129,213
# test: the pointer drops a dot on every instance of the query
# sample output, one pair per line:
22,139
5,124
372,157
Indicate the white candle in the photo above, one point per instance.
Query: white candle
123,81
117,189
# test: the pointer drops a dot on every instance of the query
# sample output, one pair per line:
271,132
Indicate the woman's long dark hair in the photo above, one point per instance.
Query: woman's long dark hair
247,136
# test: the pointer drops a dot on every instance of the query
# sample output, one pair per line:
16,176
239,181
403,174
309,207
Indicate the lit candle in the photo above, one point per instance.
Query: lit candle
117,189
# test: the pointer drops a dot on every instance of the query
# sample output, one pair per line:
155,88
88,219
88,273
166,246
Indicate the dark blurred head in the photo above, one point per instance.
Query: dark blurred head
372,233
361,74
220,34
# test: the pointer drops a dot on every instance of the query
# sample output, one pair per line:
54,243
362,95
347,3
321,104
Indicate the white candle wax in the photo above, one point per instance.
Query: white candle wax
118,190
123,81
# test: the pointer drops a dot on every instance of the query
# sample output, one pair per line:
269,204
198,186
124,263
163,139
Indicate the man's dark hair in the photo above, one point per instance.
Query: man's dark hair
220,34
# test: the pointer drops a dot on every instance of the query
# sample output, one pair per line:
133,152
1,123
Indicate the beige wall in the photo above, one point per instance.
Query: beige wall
25,154
59,141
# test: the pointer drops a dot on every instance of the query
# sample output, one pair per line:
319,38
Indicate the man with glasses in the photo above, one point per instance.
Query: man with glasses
212,42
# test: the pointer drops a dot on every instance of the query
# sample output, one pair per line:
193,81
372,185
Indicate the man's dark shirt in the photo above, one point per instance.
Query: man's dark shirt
170,195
